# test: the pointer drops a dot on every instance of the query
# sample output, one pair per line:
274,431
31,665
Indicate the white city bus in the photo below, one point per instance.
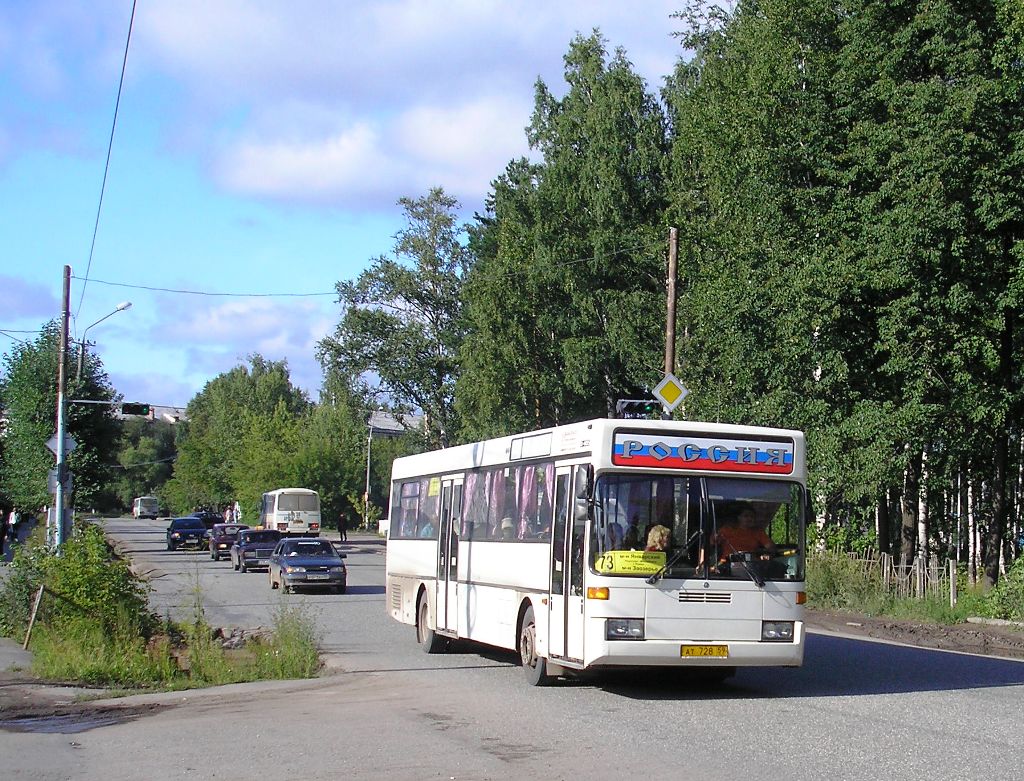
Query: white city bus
145,507
294,511
536,543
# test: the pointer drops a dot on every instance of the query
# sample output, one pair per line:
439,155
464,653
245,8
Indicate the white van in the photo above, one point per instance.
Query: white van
145,507
294,511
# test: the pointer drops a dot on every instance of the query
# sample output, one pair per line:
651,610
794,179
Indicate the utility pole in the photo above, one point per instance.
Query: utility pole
62,466
366,493
670,309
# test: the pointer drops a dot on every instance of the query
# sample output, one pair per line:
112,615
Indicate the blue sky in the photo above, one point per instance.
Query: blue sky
260,149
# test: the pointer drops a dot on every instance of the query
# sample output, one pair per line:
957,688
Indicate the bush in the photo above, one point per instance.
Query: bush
89,579
837,582
1006,600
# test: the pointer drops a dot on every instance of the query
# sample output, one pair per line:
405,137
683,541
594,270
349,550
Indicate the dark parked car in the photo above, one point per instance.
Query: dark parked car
222,537
302,562
186,532
253,547
208,517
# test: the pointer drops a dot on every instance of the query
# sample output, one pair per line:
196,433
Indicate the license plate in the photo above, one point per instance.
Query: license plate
721,651
316,577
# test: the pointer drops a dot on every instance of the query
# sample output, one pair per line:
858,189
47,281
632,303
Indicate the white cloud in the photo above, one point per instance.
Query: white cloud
461,148
355,104
215,337
349,166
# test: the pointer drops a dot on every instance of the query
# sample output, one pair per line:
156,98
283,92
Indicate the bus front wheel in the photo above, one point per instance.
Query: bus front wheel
535,667
429,640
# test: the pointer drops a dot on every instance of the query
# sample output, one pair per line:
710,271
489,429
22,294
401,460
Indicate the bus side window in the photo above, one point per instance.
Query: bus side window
558,547
408,509
427,515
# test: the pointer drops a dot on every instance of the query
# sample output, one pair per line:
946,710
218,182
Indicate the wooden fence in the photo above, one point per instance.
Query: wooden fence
917,580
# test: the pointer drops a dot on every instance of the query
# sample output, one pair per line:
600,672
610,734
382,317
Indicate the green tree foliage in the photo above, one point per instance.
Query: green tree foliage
851,178
402,319
565,302
212,444
146,459
28,395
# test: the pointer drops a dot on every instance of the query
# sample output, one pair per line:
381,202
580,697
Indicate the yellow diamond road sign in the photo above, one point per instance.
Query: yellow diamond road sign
670,392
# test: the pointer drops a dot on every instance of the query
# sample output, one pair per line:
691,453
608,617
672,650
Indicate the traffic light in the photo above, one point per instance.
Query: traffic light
637,409
134,408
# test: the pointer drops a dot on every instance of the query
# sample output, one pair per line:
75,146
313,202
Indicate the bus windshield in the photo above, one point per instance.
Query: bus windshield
689,526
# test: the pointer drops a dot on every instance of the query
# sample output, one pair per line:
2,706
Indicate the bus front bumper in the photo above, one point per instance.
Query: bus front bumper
691,652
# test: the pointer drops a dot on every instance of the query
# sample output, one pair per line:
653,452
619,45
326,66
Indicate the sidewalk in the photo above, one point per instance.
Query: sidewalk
354,538
12,657
24,530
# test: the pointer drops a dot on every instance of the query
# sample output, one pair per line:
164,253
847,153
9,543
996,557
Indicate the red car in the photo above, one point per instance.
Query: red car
222,537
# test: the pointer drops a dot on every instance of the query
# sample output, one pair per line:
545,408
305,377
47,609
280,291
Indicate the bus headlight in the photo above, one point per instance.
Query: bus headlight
624,629
777,631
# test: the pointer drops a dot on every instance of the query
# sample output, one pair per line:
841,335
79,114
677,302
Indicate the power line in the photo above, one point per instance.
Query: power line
106,167
9,335
655,244
180,291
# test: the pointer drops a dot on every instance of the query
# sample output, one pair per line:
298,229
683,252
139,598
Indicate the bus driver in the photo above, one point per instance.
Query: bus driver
745,534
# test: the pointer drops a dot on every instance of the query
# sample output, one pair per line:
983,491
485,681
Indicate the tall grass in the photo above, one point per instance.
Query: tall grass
82,650
291,650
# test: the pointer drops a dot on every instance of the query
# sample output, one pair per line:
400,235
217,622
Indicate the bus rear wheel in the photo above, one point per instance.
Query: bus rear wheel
430,641
535,667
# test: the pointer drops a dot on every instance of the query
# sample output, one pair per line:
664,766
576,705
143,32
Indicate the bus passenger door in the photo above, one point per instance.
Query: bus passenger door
565,616
448,556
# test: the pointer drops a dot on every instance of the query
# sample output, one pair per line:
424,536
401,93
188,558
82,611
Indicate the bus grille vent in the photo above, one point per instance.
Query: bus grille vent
706,597
396,597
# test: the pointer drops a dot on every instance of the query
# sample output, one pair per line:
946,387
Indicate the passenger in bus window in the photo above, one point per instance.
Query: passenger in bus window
427,530
659,538
631,539
615,534
508,529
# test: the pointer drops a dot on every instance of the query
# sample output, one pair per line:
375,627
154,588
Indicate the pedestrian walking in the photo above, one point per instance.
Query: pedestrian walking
343,527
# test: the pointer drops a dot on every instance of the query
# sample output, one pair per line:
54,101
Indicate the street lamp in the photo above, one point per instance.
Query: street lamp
81,347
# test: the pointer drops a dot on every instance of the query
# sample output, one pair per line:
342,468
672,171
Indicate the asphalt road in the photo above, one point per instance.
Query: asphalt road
856,710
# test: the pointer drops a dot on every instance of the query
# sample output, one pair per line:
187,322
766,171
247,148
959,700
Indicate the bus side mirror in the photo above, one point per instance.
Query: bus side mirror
584,482
582,490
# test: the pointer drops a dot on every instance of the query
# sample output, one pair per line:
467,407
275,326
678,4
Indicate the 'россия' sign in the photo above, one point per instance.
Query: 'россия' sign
704,453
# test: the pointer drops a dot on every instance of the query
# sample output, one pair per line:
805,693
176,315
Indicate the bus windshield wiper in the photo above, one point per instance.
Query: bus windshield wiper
672,560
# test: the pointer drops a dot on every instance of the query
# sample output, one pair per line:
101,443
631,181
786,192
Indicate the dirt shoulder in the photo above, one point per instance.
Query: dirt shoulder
976,638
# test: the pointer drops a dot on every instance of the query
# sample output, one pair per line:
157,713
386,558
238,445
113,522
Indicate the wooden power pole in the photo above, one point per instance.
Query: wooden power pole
670,319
